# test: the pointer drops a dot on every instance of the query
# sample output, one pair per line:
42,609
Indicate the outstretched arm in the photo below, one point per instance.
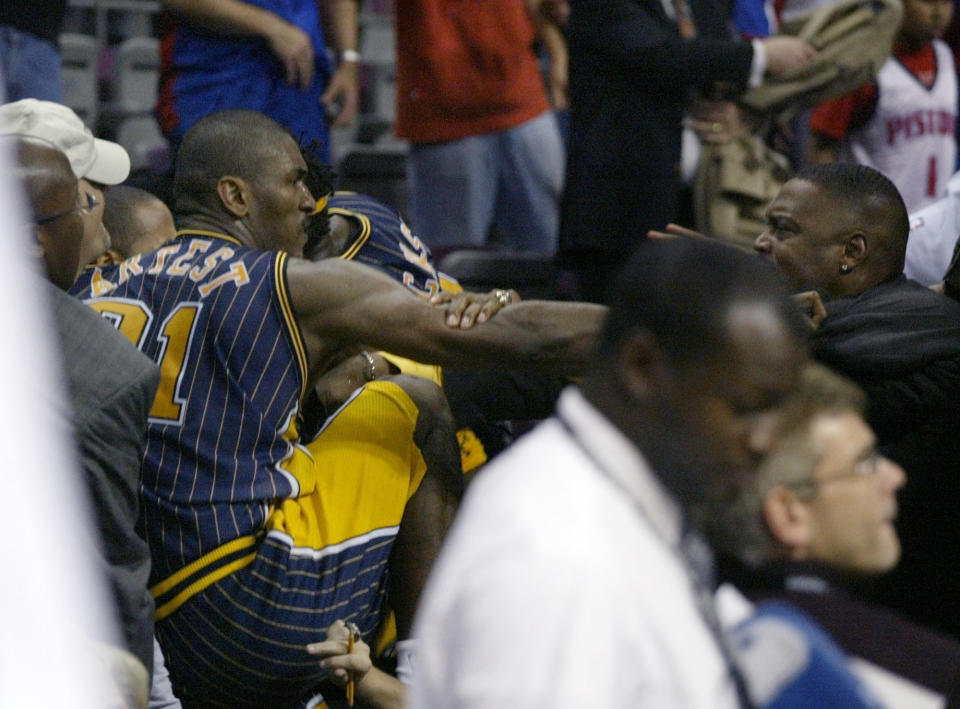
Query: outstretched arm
634,36
338,302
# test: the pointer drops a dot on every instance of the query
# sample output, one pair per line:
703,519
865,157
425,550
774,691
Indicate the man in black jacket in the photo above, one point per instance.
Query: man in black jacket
841,229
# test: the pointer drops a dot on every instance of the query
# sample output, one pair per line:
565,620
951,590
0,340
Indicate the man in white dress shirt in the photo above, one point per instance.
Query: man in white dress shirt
566,580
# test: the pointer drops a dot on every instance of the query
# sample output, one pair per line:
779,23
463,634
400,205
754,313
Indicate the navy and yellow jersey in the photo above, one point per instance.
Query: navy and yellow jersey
386,243
222,441
239,641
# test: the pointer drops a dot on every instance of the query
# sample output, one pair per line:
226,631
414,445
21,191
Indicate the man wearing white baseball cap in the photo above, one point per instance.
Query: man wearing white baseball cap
95,162
91,158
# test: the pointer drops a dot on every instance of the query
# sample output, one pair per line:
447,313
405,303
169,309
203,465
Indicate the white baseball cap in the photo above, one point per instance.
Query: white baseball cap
95,159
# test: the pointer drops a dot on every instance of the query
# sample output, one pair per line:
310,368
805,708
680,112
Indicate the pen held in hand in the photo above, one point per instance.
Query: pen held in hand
354,634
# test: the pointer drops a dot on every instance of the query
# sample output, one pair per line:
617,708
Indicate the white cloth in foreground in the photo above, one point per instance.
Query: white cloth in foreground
54,604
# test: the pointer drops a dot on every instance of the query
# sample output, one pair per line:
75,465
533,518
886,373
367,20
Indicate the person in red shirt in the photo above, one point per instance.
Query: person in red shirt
485,146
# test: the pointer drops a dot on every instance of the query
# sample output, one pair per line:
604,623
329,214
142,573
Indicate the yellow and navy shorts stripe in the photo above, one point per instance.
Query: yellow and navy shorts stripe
243,617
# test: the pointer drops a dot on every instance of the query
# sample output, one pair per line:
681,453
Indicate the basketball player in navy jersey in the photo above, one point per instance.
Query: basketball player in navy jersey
260,542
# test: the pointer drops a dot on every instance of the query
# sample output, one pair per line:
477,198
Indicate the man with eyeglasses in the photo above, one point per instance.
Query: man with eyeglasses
56,201
813,527
96,163
86,203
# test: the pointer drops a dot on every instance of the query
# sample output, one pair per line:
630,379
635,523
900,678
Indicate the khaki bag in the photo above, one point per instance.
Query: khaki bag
736,180
734,183
853,38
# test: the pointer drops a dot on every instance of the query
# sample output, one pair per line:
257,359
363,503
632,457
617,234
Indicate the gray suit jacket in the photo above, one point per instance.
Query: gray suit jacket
111,389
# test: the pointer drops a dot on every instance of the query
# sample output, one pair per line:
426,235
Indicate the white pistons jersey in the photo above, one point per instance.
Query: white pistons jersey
911,137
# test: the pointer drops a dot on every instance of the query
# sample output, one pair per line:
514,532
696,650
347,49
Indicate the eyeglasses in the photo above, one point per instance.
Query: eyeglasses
866,468
89,204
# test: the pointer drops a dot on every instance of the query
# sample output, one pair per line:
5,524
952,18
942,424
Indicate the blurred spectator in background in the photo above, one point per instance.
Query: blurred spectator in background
29,55
264,55
904,123
486,150
633,67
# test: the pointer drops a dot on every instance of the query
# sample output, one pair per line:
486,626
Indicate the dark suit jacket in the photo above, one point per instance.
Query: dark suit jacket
630,75
111,389
900,341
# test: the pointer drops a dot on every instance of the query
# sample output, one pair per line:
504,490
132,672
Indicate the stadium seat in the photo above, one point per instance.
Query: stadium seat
136,72
129,117
79,56
531,275
376,170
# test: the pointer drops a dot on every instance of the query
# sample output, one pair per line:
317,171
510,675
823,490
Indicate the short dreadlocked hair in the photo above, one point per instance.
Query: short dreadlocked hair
320,181
320,176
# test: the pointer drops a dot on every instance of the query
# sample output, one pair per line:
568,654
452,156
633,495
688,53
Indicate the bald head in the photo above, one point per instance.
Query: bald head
51,188
41,169
232,142
700,347
867,200
137,220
